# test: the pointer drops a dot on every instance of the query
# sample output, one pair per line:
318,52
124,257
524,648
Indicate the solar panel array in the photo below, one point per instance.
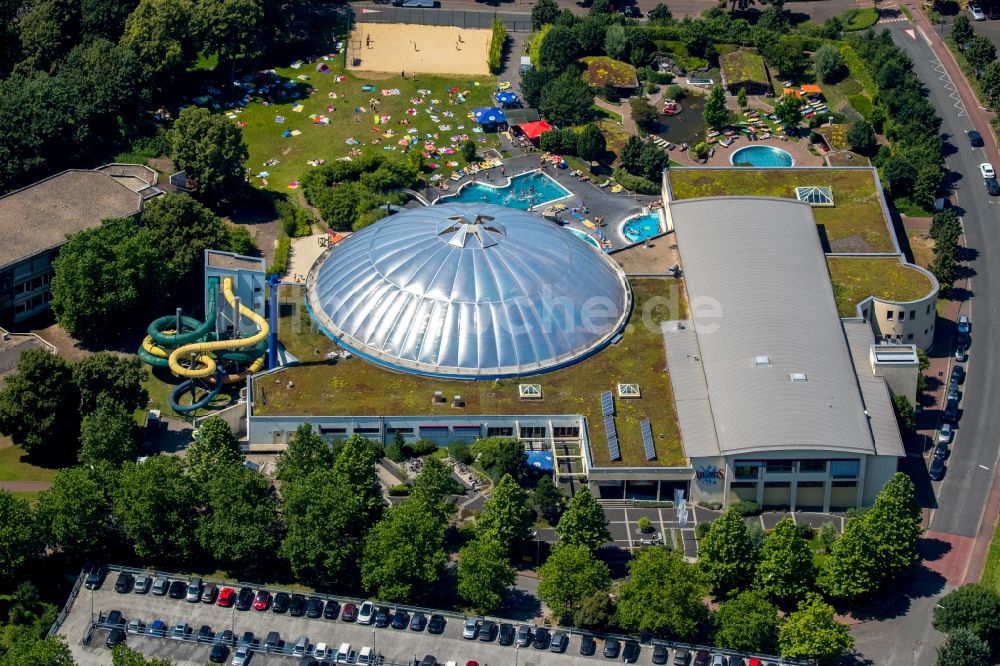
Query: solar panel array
612,433
607,404
647,439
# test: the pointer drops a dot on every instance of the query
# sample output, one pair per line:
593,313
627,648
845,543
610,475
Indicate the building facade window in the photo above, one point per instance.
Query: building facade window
743,484
777,484
500,431
844,484
845,469
746,469
811,484
913,314
902,315
367,431
812,466
909,336
779,466
889,314
532,432
566,432
401,431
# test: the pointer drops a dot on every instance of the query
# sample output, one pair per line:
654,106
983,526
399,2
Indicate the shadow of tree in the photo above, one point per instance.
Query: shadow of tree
916,583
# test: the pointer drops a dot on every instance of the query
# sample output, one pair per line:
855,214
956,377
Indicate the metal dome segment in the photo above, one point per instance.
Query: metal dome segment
468,290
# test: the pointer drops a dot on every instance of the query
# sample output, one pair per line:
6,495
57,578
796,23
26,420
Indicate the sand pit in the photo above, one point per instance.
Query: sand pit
423,49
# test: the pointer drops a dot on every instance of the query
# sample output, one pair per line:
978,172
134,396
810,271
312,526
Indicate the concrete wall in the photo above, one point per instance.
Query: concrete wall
880,470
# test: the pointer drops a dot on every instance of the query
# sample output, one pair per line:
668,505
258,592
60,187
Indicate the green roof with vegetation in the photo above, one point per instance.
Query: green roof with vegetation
855,224
856,278
835,136
743,66
356,387
602,70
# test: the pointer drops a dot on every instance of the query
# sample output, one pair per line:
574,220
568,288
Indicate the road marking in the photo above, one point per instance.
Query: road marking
985,467
949,85
911,32
925,37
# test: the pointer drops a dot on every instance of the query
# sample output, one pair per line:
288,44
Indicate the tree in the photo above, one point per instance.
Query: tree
123,655
716,114
105,18
861,137
652,162
183,228
505,516
849,572
659,14
74,514
899,174
566,100
18,536
980,52
789,112
323,536
210,148
532,83
990,82
548,500
747,622
595,611
108,434
615,44
432,487
559,49
895,525
114,376
51,651
600,7
570,575
543,13
229,28
812,632
500,456
590,144
962,648
663,593
727,554
356,466
961,30
484,574
905,414
404,552
643,113
741,98
829,63
47,29
584,522
786,569
39,406
159,32
469,150
306,452
944,266
973,607
630,155
155,506
106,278
787,54
239,526
214,450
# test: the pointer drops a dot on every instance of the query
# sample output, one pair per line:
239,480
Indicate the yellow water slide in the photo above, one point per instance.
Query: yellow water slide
205,365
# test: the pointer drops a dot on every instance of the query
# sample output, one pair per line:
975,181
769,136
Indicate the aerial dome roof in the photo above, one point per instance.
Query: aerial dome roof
468,290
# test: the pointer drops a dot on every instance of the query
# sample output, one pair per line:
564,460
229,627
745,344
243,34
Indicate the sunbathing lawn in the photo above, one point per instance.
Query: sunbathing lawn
856,278
328,142
13,468
854,224
357,387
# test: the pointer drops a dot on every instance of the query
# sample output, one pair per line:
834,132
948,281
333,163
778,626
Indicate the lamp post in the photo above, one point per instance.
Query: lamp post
234,622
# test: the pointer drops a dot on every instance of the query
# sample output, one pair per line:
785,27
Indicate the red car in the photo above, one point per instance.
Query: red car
262,601
350,613
227,596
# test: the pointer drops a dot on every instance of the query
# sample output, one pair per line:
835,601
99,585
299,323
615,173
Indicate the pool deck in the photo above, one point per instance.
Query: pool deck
614,208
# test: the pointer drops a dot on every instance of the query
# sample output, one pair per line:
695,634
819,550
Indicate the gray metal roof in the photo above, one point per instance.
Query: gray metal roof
468,290
874,391
758,286
690,388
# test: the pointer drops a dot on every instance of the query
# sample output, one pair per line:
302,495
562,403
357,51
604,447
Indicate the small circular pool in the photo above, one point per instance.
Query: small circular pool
761,156
638,229
585,237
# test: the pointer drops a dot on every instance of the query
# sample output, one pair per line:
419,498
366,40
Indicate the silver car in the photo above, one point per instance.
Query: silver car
142,583
160,586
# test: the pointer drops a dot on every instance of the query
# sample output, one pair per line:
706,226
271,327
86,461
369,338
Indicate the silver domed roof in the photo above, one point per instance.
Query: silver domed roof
466,290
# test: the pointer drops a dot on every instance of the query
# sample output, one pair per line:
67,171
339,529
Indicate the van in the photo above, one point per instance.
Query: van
272,640
300,646
366,656
343,652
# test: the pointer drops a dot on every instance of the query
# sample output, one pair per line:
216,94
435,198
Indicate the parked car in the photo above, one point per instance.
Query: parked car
124,582
986,169
209,593
701,658
540,641
242,656
280,603
436,624
262,601
178,589
366,614
977,12
382,617
114,619
181,629
611,648
953,392
400,619
559,642
660,654
470,629
350,613
331,610
322,651
936,471
418,622
682,657
524,635
227,597
245,599
630,654
314,607
718,660
224,637
296,605
272,641
95,577
247,638
945,434
193,590
157,628
218,654
142,584
506,634
964,325
588,646
205,634
951,411
160,586
487,631
301,645
135,626
941,450
115,637
993,12
631,12
958,374
428,660
976,139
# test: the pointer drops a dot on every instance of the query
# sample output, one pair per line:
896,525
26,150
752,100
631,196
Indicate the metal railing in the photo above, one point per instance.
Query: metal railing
68,606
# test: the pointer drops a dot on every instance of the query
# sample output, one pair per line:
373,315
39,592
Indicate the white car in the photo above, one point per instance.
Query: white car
322,651
944,434
366,613
977,12
986,169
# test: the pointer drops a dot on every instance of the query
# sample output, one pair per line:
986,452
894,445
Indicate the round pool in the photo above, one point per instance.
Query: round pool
585,237
761,156
641,227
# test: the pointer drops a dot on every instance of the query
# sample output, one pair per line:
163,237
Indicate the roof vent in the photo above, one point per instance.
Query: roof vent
481,228
762,360
799,377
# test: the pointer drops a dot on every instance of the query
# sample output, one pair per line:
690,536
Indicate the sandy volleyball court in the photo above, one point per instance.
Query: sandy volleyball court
424,49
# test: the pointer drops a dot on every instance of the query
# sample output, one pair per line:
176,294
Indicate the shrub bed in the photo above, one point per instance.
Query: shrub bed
495,58
636,184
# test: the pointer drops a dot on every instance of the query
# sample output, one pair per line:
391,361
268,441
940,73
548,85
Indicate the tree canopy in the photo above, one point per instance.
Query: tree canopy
962,648
356,466
108,434
39,406
786,571
663,593
973,607
18,536
239,524
728,555
210,148
566,100
306,452
74,514
715,113
747,622
484,574
584,522
505,517
183,229
499,456
570,574
155,505
813,632
115,376
212,452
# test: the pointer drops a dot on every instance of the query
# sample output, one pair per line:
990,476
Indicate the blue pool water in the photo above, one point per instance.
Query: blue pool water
640,228
585,237
761,156
525,190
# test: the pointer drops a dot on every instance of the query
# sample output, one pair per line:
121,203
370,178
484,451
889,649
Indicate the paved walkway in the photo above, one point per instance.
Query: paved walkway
622,109
25,486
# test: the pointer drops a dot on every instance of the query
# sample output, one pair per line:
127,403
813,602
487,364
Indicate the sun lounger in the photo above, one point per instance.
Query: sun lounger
605,183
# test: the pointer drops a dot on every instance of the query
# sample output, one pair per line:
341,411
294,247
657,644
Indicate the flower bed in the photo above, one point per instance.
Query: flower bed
602,70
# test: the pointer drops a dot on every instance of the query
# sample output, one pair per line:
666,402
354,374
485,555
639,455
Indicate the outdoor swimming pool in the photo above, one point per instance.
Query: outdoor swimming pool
524,191
585,237
761,156
640,228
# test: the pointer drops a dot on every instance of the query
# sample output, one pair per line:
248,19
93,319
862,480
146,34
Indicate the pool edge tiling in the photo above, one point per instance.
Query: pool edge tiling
493,193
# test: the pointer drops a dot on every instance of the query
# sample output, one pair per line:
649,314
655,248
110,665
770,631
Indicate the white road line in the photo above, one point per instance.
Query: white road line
985,467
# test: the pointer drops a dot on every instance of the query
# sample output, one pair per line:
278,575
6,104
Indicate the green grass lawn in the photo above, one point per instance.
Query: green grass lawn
14,468
357,387
856,278
854,224
328,142
991,572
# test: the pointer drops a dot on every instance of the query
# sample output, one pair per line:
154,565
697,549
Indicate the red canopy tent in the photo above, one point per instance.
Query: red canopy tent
535,129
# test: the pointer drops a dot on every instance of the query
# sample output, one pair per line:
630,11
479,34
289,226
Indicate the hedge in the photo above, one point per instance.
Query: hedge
495,59
858,69
401,490
280,263
746,508
636,184
856,19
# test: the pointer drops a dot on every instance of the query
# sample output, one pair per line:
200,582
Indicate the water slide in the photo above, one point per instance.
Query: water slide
163,335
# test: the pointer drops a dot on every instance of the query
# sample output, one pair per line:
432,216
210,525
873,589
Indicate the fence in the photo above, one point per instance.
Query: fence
68,606
443,17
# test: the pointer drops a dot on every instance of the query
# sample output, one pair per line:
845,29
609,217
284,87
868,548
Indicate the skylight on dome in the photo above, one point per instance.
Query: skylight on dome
815,196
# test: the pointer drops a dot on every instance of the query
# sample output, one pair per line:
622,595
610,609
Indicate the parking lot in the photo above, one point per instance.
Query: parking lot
397,646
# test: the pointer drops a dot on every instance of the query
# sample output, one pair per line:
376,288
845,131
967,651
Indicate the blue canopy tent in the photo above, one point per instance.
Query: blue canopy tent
506,97
489,115
541,460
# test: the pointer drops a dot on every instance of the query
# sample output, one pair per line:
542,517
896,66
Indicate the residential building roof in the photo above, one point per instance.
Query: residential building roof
40,216
778,372
740,66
